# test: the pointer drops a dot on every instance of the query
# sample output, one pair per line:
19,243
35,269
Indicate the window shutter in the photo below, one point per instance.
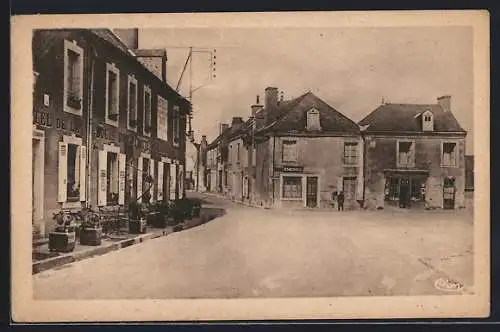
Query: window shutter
181,181
102,168
83,179
139,180
160,181
121,178
173,177
360,178
152,173
63,172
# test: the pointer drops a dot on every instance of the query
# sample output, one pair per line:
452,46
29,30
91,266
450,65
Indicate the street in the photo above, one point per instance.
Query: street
251,252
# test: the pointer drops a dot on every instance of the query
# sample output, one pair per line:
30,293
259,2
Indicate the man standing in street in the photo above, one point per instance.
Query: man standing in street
340,201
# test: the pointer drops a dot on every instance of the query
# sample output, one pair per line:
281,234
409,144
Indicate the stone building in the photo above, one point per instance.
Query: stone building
414,153
101,122
290,154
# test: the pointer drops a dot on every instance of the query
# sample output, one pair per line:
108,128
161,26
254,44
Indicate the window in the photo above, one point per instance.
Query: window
406,156
350,153
290,151
112,94
238,152
313,120
71,170
292,187
147,112
349,187
132,103
449,156
73,179
162,115
428,123
73,77
112,179
175,123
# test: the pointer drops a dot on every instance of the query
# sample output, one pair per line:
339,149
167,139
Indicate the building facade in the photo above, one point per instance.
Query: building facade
289,154
101,122
414,156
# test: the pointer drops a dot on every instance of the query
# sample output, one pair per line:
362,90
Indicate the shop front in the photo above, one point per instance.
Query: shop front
297,188
406,188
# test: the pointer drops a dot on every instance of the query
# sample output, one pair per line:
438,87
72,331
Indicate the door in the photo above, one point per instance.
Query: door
34,191
404,192
312,191
449,193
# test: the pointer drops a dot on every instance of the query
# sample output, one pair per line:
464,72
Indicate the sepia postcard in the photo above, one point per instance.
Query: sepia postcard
250,166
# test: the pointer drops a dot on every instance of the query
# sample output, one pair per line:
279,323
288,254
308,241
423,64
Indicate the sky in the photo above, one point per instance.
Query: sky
352,69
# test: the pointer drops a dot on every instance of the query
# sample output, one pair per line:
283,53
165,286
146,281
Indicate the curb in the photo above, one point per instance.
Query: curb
234,201
72,257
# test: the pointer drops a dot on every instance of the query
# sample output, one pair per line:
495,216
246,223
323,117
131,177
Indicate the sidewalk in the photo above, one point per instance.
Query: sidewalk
43,259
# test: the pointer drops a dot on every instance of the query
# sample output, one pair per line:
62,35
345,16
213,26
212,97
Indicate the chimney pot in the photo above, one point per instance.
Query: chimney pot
445,103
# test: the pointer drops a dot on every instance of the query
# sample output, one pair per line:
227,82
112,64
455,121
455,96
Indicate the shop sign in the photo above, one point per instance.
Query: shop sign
45,119
290,169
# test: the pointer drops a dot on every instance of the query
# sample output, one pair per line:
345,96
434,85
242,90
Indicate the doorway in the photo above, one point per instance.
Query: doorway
37,187
312,191
449,193
404,192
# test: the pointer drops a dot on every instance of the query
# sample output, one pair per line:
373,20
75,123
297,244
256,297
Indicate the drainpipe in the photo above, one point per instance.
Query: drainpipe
89,128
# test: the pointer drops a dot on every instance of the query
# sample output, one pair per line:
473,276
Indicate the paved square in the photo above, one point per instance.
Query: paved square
253,252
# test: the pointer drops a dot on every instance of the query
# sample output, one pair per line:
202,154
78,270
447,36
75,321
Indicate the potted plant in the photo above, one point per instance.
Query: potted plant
63,238
157,217
137,218
176,211
196,208
91,229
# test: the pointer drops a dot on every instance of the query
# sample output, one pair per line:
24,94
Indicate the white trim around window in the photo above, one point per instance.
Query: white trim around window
457,155
144,124
72,46
63,171
110,67
132,80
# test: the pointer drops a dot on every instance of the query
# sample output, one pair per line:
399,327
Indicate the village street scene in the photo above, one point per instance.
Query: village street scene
213,164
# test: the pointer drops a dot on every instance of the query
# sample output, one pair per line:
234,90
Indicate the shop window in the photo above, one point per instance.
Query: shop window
406,155
449,156
112,179
349,187
417,190
132,103
73,179
73,77
392,189
112,94
147,111
290,153
292,187
350,153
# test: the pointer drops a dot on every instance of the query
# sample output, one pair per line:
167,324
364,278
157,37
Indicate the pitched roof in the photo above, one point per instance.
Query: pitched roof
292,116
407,118
110,37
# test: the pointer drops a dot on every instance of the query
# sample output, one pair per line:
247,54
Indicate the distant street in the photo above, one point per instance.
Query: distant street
252,252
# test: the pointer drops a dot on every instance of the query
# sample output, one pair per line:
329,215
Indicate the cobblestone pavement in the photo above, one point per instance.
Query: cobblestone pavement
252,252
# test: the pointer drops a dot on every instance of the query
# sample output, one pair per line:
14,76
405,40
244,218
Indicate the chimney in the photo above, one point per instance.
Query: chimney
271,97
203,139
236,123
154,60
256,107
445,103
129,37
223,127
282,96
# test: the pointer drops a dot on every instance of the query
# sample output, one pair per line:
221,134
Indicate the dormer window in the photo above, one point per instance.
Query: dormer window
427,121
313,122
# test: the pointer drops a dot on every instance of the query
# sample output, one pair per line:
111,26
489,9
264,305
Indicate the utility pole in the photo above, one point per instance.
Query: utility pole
212,75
